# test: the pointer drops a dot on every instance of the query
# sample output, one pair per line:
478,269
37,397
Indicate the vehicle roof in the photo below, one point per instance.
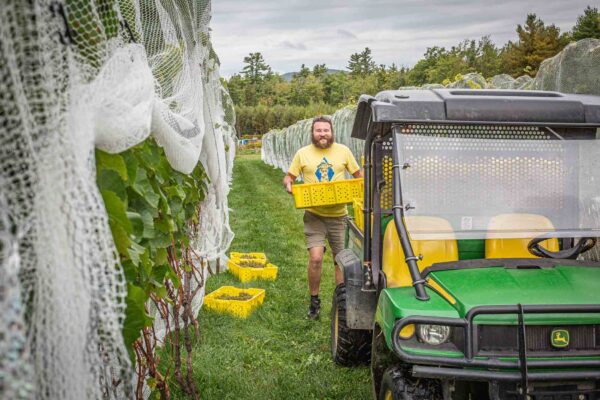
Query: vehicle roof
477,106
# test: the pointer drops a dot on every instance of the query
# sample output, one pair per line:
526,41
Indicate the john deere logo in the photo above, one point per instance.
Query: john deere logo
560,338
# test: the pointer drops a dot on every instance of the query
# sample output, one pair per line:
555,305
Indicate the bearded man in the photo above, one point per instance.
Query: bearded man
322,161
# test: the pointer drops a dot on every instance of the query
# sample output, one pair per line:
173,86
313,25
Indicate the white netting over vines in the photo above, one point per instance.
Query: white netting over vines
573,70
280,145
76,75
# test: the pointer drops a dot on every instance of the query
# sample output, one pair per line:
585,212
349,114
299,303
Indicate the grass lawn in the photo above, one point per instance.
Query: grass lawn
276,353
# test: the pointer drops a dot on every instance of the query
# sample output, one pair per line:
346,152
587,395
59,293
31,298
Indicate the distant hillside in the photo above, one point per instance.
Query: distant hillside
289,75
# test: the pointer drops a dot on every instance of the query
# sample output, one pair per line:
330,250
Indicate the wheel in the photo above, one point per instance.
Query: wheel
349,347
396,386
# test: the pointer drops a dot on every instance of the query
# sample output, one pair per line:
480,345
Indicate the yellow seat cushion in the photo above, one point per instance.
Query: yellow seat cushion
433,251
517,248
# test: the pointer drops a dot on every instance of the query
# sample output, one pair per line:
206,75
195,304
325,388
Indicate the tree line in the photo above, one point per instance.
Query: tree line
265,100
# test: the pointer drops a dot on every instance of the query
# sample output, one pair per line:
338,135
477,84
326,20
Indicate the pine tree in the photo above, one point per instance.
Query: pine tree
361,63
303,73
488,58
319,70
256,68
587,25
536,43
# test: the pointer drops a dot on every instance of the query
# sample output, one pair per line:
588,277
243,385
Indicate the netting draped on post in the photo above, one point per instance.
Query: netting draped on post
280,145
76,75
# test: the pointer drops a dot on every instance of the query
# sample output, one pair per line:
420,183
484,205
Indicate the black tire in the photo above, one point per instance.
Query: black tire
396,386
349,347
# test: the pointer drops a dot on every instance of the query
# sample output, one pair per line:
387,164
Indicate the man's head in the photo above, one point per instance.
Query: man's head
322,132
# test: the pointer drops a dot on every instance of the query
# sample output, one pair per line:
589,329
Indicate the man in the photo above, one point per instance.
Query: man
322,161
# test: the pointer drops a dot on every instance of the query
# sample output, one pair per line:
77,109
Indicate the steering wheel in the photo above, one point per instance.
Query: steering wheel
581,246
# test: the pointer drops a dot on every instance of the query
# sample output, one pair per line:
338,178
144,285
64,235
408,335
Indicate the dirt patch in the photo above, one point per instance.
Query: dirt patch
241,296
248,257
251,264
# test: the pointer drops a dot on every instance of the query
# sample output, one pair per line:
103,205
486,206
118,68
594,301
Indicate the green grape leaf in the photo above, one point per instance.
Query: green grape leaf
136,317
148,221
161,257
137,224
110,180
135,252
120,237
114,162
143,188
115,208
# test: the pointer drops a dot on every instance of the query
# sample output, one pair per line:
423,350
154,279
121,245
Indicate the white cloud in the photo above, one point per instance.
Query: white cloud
294,32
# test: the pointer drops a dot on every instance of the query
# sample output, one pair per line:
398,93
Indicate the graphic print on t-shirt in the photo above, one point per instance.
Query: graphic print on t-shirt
324,171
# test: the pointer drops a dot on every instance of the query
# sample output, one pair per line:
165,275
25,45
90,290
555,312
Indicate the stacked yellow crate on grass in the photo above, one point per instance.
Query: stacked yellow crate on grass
237,301
234,301
251,266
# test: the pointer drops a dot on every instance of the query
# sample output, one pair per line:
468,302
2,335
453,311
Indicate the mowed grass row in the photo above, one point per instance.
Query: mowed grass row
276,353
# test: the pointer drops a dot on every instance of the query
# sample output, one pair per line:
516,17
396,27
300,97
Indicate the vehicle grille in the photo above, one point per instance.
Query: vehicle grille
503,339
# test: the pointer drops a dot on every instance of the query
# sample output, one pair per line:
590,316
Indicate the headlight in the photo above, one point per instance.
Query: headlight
433,334
407,332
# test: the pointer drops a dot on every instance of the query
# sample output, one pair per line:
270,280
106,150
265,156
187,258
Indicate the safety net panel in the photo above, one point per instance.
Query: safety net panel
499,181
75,76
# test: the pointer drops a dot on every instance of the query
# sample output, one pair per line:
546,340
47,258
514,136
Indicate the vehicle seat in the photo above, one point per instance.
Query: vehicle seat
517,248
433,251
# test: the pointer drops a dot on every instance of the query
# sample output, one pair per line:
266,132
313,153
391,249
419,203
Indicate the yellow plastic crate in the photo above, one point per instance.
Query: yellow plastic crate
249,256
237,308
359,218
327,193
245,274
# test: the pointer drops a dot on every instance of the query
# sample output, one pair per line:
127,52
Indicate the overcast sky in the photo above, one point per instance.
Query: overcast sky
293,32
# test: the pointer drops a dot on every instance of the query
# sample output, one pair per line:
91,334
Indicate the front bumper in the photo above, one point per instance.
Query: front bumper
420,371
523,370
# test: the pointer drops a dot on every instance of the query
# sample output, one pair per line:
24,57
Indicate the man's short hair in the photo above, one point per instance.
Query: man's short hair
321,118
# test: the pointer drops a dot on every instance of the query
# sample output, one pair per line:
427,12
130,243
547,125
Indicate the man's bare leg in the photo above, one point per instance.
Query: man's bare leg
339,275
315,266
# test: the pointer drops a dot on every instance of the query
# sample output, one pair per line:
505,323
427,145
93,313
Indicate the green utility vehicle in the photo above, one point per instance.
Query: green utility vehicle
468,273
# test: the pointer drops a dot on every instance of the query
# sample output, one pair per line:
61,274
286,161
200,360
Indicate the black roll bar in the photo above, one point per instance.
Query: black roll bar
368,210
398,210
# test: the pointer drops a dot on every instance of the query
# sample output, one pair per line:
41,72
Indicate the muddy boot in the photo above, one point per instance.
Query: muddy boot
314,308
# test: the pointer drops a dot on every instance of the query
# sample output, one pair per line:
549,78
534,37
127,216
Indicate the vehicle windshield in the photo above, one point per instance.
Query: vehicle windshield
499,181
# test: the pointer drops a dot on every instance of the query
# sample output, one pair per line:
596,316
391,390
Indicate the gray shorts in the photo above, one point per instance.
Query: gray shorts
318,228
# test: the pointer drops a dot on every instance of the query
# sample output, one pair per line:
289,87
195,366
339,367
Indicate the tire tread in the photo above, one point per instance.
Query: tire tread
354,345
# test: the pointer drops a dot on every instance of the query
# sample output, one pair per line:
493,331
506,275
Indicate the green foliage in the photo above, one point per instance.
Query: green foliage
306,89
136,318
536,43
440,64
319,70
588,25
254,93
361,63
255,69
150,207
260,119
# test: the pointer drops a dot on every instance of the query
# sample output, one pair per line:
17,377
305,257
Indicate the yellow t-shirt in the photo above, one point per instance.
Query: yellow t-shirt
324,165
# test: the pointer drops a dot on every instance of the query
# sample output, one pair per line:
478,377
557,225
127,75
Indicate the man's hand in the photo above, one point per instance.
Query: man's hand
287,182
358,174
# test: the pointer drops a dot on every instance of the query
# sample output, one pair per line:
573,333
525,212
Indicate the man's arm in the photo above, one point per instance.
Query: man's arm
287,182
294,170
352,165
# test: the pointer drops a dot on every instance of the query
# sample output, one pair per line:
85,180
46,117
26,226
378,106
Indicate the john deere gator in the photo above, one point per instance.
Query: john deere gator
470,268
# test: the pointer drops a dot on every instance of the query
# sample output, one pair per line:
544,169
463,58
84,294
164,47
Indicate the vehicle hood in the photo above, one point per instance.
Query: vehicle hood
559,285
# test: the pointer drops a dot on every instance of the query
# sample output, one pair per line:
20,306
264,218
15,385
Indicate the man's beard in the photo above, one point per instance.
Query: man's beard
321,146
